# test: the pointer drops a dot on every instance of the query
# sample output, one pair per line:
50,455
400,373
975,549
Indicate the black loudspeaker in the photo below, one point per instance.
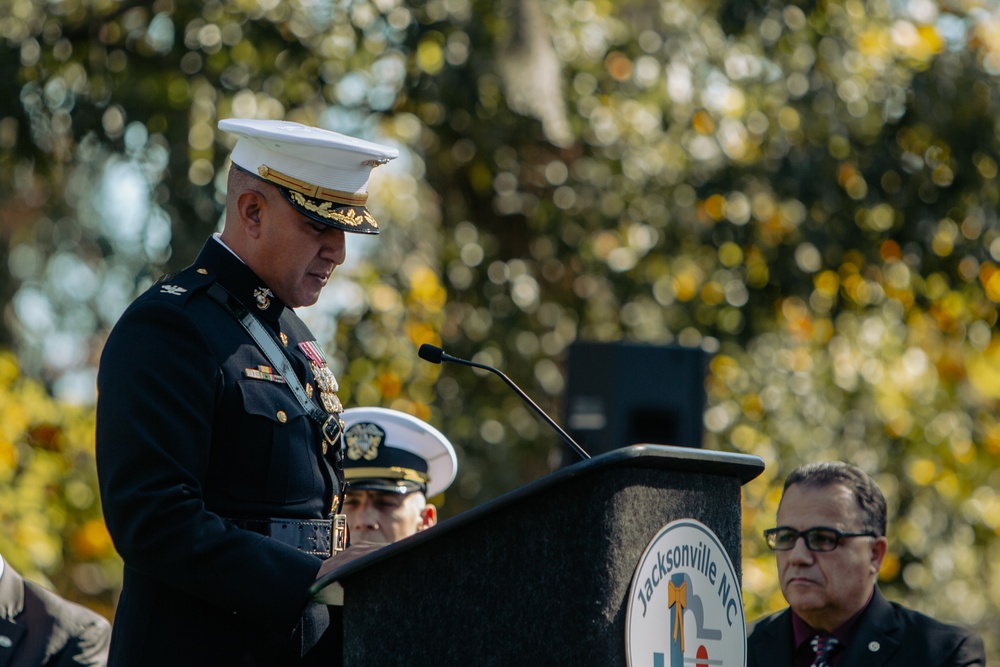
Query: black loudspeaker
622,394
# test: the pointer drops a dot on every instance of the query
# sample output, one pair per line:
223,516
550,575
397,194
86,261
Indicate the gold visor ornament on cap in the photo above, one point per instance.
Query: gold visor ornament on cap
342,207
322,174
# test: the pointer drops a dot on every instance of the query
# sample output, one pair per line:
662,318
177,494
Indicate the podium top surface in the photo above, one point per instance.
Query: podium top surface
743,467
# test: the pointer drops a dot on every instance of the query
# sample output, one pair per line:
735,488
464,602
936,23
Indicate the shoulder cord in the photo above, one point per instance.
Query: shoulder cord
331,425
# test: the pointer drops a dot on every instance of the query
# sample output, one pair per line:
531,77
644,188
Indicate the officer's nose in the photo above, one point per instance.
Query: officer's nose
365,515
334,247
800,553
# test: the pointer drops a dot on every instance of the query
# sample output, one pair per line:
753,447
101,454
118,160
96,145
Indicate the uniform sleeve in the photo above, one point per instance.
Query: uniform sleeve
87,634
158,387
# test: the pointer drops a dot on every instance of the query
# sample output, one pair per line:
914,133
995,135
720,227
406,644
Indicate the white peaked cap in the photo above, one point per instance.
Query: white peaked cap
322,174
389,450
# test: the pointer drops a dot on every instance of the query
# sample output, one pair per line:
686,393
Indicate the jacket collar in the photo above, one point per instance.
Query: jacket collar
240,281
877,636
875,640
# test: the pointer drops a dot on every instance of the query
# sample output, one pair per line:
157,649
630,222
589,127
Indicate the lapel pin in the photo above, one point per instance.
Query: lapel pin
262,296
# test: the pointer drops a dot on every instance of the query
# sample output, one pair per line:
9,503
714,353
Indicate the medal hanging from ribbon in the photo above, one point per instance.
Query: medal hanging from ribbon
333,429
331,426
325,380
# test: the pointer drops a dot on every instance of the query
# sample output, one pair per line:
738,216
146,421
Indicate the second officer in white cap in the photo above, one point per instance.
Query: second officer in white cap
393,463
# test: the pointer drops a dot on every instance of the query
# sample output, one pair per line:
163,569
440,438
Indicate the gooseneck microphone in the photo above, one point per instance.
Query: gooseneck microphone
436,355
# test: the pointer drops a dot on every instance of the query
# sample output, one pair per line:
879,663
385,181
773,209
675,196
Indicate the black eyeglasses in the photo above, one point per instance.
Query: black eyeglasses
820,538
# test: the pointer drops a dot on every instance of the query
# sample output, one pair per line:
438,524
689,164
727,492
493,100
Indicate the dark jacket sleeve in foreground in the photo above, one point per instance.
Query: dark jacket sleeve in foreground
41,629
159,387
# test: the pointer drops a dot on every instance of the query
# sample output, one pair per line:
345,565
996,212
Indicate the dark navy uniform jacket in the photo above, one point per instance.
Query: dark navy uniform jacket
192,429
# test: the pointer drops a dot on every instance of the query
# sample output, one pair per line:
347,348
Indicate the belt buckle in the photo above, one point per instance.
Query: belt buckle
339,533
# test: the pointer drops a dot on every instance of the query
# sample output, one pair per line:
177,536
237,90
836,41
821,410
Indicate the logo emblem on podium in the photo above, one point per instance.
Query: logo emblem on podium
685,606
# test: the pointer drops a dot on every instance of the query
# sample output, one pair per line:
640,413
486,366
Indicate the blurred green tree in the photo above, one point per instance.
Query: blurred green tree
51,528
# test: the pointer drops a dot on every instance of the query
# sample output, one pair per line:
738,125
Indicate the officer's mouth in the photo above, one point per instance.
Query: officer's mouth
322,276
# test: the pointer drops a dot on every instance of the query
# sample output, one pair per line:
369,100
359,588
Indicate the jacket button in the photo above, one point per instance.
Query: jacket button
5,641
282,417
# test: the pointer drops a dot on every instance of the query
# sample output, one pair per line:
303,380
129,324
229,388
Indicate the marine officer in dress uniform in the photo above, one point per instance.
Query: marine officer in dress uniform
393,463
219,440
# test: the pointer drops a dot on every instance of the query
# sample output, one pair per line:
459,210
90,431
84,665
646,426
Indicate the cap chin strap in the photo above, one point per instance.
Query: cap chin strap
310,190
387,473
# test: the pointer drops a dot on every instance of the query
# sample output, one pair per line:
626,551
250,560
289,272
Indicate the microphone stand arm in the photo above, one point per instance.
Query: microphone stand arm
527,399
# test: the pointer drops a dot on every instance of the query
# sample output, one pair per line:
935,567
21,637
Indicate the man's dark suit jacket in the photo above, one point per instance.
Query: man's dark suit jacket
40,629
888,635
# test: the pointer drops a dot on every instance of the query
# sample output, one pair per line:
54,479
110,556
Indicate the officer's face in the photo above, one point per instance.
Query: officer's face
827,588
377,516
295,255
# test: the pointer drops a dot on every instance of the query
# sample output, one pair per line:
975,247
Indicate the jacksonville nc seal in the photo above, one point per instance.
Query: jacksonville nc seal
685,608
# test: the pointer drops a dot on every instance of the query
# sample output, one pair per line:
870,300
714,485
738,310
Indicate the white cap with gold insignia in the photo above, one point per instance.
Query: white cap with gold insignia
388,450
322,174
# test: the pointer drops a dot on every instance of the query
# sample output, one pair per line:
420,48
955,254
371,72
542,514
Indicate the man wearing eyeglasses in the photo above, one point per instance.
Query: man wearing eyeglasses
829,545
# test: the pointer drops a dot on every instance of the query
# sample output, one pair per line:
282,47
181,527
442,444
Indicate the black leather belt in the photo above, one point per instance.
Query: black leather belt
319,537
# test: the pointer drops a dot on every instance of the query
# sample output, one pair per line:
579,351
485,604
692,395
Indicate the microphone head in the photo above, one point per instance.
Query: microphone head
431,353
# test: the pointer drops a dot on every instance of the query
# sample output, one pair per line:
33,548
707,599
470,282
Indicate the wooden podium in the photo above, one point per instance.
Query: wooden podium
540,575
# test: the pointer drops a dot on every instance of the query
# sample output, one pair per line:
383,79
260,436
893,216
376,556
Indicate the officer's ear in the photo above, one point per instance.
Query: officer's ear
428,517
249,206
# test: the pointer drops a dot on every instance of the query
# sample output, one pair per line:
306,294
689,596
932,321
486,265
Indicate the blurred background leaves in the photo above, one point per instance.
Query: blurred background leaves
806,190
51,528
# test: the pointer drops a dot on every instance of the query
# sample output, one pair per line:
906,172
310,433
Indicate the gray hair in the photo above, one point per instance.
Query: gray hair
866,492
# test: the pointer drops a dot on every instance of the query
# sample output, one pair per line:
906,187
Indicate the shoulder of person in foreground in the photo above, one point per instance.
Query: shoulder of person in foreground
81,635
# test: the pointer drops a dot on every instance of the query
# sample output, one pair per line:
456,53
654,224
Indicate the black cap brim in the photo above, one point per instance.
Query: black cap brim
400,486
353,219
